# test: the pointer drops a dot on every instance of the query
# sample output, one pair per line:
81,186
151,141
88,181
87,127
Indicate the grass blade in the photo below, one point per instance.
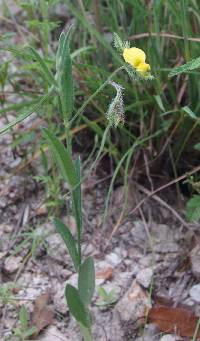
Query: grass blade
47,73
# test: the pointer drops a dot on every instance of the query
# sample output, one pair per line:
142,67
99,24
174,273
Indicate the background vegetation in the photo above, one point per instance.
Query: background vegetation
161,118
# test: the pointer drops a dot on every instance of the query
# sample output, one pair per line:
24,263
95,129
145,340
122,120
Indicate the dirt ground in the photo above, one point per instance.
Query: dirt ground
143,257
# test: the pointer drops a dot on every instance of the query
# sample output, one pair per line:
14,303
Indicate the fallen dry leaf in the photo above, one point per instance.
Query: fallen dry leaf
179,321
42,210
105,273
42,314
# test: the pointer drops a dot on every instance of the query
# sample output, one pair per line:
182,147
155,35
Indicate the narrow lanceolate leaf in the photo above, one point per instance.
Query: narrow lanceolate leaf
23,317
191,65
45,70
62,158
64,76
68,240
86,280
76,306
190,112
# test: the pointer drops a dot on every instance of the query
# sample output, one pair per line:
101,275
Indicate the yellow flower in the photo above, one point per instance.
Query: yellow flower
136,58
143,68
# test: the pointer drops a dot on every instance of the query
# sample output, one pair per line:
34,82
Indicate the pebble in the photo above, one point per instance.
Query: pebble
6,228
195,261
144,277
113,259
64,273
88,249
57,248
12,264
73,280
150,333
195,293
133,305
169,337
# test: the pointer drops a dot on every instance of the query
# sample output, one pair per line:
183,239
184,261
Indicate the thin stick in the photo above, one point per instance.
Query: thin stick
151,194
163,203
161,34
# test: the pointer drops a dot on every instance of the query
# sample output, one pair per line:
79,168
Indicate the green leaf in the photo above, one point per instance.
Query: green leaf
64,75
46,71
3,73
197,146
76,306
30,332
190,113
23,317
62,158
193,208
86,280
69,241
191,65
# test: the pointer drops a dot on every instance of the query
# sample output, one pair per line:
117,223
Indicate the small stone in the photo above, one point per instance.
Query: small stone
124,279
150,333
65,273
6,228
144,277
73,280
12,264
88,249
195,293
133,305
169,337
56,247
113,259
16,162
195,261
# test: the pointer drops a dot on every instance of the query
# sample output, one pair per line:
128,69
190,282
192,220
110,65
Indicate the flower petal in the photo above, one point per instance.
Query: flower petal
143,68
134,56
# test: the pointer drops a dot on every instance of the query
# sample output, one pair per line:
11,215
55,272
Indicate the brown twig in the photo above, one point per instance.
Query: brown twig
161,34
164,204
151,194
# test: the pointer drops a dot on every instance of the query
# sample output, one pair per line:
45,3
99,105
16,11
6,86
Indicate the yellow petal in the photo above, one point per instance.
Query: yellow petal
143,68
134,56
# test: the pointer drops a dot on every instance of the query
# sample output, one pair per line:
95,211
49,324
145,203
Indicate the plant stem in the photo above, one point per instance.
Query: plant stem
80,111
